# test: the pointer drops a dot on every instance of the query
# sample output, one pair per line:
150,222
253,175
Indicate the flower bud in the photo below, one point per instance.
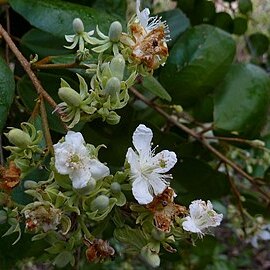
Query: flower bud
117,66
3,216
19,138
113,118
87,189
113,85
150,257
158,235
100,203
115,31
115,187
78,26
70,96
29,184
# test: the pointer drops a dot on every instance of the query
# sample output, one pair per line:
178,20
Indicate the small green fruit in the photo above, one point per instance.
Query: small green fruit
115,31
100,203
78,26
19,138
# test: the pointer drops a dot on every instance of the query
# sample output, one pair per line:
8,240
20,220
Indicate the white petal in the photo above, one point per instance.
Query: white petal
164,161
254,241
157,184
142,138
134,162
62,153
190,226
196,209
80,178
69,38
98,169
74,138
141,192
264,235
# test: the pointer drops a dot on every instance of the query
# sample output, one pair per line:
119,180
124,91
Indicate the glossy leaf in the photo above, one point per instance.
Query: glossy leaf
242,100
224,21
151,84
258,44
240,25
193,68
55,16
7,88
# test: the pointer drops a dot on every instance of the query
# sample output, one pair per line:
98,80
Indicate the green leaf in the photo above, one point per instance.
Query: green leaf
193,68
242,100
240,25
245,6
7,89
151,84
43,43
198,180
258,44
224,21
177,21
55,16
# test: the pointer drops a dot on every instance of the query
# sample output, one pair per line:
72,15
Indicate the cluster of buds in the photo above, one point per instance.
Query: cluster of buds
27,149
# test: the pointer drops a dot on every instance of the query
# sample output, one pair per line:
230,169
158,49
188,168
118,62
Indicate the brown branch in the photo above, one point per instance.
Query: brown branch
45,125
27,67
201,139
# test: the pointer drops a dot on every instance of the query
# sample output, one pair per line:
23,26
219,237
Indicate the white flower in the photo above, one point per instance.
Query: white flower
72,158
150,23
262,234
146,168
202,216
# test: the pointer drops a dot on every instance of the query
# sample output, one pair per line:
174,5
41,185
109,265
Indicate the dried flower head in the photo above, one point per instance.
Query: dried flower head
165,210
9,177
150,34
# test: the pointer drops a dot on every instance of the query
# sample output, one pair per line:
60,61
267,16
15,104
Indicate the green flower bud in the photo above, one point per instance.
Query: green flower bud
3,216
29,184
113,118
150,257
70,96
78,26
117,66
19,138
158,235
100,203
115,31
113,85
115,187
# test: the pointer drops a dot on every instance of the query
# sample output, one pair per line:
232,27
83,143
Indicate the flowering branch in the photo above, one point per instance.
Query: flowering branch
203,140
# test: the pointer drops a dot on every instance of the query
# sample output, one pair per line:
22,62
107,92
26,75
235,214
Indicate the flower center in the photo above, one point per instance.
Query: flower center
74,162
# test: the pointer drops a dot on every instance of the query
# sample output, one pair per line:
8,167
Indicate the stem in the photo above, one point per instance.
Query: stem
201,139
85,230
56,66
45,125
27,67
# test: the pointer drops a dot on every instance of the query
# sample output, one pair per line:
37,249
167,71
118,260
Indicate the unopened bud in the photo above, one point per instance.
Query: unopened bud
3,216
115,31
78,26
115,187
29,184
257,143
113,118
70,96
100,203
117,66
158,235
150,257
113,85
19,138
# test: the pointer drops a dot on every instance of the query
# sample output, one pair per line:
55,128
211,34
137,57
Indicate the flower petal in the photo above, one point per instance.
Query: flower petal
140,190
190,226
69,38
157,183
142,138
98,169
164,161
134,162
77,141
80,178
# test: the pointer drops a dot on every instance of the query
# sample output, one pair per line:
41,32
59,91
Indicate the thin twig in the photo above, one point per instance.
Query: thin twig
201,139
45,125
238,198
8,30
27,67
